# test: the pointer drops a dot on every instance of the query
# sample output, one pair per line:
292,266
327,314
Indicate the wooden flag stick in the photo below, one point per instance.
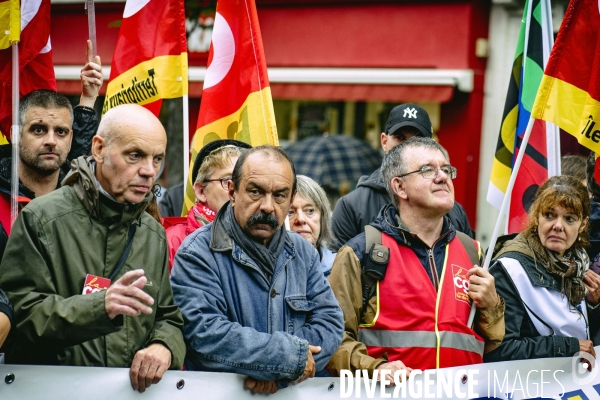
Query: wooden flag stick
91,14
504,209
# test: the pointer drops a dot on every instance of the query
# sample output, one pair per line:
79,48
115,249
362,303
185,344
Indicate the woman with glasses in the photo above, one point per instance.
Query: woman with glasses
211,175
310,217
542,274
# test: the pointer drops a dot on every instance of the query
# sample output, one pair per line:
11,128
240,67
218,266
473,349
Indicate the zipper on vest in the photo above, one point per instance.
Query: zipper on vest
434,274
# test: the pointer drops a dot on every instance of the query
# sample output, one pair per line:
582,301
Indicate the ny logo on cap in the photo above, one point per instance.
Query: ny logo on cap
412,113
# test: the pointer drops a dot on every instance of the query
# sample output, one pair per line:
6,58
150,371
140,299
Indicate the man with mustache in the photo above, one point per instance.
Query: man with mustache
415,311
254,298
86,268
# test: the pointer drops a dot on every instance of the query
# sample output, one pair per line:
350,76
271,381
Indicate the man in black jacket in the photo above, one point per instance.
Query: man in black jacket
594,248
361,206
52,134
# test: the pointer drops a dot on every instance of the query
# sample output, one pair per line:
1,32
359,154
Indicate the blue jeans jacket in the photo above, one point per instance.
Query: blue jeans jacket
236,321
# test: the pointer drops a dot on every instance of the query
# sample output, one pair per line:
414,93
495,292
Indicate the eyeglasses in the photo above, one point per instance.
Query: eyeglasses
430,172
223,181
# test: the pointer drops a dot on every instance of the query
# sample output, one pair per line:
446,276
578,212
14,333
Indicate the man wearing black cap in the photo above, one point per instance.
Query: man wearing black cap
361,206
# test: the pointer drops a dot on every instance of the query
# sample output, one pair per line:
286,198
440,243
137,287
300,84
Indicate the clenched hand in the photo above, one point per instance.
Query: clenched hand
148,366
91,78
481,288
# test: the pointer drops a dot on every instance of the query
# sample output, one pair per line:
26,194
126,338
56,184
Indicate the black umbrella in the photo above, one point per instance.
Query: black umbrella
333,159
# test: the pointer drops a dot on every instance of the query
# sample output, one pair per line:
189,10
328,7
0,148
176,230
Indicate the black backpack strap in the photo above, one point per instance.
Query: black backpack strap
374,264
123,258
471,248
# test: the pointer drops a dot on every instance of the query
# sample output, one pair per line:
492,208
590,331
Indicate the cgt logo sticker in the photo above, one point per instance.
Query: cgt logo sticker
461,283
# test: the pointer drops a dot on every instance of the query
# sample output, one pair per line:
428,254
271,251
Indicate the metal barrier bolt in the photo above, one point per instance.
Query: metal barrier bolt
331,386
9,378
180,384
464,379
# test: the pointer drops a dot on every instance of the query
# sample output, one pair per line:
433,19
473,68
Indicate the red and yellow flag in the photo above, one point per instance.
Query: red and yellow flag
36,70
236,99
150,59
10,23
569,94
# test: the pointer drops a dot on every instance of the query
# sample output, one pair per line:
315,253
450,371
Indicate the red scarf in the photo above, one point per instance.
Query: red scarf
198,216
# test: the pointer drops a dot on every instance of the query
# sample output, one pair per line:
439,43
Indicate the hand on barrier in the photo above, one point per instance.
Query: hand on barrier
258,386
149,365
126,297
393,367
587,346
91,78
310,369
592,282
481,288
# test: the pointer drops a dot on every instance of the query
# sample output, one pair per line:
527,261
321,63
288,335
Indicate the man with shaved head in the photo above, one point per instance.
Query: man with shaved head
87,269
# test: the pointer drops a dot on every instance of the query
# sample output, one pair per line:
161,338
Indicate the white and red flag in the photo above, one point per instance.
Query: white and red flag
236,98
35,58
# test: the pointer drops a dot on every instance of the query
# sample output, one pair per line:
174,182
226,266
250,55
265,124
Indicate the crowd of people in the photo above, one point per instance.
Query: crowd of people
261,278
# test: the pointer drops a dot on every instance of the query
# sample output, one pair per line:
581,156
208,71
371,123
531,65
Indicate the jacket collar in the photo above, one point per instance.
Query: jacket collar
515,246
389,222
220,241
98,205
5,179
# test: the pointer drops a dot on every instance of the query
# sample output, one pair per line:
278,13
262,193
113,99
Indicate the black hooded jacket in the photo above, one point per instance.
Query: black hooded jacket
594,253
594,249
361,206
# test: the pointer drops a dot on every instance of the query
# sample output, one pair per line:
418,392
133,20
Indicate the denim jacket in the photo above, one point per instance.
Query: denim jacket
236,321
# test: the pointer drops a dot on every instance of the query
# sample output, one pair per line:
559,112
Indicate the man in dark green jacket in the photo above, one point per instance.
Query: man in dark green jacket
66,244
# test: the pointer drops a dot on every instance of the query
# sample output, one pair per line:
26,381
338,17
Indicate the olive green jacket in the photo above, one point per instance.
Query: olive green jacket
55,242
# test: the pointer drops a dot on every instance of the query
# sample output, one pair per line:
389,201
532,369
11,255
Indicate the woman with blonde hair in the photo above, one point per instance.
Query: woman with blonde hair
542,274
211,174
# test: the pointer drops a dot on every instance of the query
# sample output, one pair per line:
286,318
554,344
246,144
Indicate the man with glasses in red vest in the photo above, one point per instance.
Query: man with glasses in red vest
406,286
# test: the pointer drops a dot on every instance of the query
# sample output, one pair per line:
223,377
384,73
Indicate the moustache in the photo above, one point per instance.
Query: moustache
262,217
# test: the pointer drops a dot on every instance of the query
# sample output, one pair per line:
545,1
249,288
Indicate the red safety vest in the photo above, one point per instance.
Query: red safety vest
416,325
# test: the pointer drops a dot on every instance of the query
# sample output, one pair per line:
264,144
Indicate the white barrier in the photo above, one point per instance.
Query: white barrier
524,379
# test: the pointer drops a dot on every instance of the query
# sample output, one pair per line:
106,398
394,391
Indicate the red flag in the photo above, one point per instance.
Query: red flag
150,59
35,58
236,99
569,94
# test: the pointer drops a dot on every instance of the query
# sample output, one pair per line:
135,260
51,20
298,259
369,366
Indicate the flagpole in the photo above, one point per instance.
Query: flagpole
504,208
15,136
186,141
552,131
91,14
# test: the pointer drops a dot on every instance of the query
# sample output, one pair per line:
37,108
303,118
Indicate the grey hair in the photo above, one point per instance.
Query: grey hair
394,163
43,98
313,192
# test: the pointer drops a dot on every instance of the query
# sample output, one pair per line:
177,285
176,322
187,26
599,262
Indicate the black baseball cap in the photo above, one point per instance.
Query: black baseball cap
212,146
409,115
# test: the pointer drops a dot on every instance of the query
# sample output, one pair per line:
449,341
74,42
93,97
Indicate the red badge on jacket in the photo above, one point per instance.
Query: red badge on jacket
95,284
